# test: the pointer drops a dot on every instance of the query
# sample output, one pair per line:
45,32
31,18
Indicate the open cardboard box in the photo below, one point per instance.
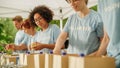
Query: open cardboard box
91,62
62,61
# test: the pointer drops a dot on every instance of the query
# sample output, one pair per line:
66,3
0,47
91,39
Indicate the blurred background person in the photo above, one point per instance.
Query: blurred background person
17,21
30,36
110,12
31,33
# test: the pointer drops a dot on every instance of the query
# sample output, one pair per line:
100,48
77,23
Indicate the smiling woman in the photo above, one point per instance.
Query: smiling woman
38,20
41,16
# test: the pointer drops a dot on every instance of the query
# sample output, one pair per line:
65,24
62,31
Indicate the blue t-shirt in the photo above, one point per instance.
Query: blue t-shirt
110,12
29,39
49,36
84,33
19,37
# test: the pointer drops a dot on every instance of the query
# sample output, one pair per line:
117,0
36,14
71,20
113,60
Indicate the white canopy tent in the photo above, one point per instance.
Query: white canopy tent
61,9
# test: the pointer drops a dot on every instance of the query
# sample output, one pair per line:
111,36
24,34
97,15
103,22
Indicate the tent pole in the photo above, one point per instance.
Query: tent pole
61,18
61,23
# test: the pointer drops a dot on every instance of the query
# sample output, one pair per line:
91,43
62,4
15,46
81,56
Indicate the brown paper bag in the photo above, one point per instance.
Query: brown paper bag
39,60
48,60
91,62
29,60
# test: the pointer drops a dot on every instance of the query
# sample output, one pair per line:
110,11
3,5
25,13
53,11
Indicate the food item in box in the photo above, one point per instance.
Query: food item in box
33,45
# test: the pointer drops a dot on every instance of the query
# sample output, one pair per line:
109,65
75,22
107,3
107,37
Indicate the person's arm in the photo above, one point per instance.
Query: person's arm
20,47
103,46
39,46
60,42
16,47
94,53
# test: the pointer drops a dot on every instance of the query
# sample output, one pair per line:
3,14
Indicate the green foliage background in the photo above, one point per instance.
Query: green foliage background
8,31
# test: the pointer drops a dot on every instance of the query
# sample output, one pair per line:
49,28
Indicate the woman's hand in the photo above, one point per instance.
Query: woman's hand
37,46
10,47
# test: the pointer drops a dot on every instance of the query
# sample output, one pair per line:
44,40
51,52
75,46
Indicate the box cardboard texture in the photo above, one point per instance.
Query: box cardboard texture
29,60
91,62
61,61
48,60
39,60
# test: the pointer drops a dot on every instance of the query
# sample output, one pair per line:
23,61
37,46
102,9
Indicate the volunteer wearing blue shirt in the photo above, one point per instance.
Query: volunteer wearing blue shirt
31,33
20,35
84,29
17,21
110,12
41,16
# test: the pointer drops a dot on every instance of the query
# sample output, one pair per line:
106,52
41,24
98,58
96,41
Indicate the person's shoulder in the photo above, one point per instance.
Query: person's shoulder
95,14
20,31
23,32
38,32
53,25
73,15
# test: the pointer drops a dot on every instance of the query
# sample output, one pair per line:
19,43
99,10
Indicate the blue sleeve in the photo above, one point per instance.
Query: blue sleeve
25,41
56,32
19,37
67,25
100,30
16,41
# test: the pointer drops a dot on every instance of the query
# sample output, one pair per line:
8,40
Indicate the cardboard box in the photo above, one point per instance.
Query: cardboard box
48,60
61,61
39,60
29,60
91,62
21,59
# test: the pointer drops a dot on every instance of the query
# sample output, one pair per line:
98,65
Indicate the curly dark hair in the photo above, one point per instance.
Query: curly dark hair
44,11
